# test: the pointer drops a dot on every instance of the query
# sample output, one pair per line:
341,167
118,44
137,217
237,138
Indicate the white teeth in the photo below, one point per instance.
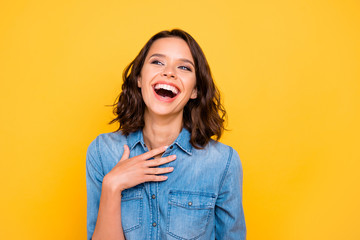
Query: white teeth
167,87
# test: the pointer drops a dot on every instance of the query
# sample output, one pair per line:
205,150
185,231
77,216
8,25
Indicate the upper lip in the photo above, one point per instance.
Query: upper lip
167,83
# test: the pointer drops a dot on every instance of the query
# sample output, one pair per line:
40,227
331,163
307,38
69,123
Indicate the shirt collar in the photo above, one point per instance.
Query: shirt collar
135,138
182,141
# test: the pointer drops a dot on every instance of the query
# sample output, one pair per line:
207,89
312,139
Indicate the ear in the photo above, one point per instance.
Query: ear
139,81
193,94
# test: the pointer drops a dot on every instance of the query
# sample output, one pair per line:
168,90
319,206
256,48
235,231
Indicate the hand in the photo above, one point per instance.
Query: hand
129,172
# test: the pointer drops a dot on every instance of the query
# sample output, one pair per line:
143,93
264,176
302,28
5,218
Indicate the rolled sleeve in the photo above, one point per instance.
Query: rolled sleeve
229,213
94,178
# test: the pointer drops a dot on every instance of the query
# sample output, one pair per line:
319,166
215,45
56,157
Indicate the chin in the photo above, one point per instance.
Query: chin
163,111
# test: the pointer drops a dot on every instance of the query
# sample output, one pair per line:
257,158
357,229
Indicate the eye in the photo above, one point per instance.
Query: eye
185,68
156,62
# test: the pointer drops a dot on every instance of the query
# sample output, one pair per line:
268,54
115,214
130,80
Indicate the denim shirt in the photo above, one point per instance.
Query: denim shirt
201,199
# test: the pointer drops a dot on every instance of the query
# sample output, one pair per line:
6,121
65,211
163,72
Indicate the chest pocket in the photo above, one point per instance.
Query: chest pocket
189,213
131,209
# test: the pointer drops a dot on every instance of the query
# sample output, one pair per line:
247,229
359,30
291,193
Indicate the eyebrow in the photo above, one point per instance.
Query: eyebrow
182,59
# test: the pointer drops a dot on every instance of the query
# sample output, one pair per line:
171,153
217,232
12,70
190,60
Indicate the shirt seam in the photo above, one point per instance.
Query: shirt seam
227,168
99,155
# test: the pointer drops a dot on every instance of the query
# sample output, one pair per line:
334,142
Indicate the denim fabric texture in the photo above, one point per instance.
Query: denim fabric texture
201,199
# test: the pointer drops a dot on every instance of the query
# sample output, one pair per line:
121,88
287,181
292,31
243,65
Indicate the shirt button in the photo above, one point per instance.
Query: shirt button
153,196
154,224
190,203
171,147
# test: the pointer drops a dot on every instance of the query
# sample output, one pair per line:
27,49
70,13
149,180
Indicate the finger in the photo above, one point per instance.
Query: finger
156,171
160,161
126,153
153,153
155,178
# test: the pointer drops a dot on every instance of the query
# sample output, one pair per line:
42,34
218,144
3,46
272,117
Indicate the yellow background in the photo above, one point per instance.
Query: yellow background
289,75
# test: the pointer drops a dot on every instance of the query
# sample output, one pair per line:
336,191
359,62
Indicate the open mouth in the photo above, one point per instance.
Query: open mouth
166,91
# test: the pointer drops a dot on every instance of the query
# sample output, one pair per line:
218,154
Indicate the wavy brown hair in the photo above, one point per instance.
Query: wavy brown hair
203,116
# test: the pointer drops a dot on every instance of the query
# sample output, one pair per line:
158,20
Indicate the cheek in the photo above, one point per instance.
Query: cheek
191,85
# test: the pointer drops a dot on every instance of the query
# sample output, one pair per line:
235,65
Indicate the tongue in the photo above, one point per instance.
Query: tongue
164,93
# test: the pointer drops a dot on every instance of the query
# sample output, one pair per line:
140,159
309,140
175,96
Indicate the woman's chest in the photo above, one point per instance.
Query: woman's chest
171,211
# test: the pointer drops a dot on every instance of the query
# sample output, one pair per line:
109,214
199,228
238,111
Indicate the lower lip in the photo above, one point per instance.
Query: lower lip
167,99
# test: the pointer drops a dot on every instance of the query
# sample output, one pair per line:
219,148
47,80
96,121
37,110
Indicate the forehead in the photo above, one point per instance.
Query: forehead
172,47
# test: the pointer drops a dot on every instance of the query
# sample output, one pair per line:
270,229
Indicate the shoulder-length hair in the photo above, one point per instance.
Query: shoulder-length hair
203,116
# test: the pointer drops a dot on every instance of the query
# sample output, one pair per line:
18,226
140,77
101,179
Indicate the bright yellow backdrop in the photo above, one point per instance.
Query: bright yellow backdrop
288,71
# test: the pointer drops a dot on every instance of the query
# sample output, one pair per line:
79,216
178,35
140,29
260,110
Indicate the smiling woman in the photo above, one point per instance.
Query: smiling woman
161,175
168,78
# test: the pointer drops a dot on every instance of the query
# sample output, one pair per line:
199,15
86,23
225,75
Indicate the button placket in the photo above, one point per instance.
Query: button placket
154,209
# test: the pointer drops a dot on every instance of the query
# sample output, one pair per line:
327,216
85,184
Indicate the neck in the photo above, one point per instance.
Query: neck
160,130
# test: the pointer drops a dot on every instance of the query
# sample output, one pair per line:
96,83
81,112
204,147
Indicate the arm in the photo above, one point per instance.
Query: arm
104,192
229,213
108,225
94,179
103,205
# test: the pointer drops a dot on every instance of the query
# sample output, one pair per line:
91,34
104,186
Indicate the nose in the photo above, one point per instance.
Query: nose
169,73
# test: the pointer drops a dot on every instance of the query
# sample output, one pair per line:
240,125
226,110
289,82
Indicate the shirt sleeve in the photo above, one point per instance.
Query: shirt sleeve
94,178
229,213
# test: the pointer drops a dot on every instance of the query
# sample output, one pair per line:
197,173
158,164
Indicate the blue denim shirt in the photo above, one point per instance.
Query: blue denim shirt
201,199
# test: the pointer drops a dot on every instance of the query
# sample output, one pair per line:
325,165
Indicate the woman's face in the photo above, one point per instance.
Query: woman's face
167,79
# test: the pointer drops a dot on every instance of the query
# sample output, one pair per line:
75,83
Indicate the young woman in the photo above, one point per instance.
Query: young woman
161,175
